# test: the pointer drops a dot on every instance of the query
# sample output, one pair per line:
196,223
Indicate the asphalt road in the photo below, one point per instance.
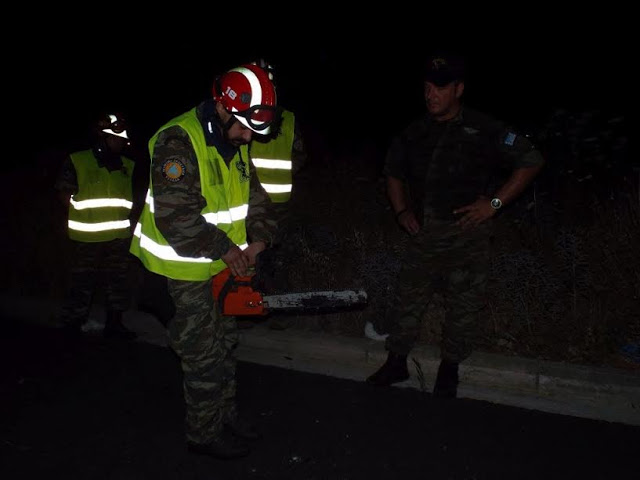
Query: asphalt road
113,410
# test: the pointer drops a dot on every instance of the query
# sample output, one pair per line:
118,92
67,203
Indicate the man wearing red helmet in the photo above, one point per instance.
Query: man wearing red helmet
206,211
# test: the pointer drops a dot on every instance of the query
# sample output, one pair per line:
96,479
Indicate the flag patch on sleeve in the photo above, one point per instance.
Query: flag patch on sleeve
510,139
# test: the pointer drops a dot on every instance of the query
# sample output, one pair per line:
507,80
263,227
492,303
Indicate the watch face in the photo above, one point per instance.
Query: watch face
496,203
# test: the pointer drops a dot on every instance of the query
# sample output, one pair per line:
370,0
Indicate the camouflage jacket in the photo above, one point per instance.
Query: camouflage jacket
178,203
447,165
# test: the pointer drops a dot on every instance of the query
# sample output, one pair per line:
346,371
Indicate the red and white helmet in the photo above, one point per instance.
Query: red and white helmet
247,93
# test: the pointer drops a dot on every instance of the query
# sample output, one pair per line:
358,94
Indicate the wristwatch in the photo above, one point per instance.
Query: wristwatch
496,203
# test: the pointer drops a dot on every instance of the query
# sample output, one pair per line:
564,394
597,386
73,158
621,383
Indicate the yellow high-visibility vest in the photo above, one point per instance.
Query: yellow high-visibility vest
99,211
273,161
226,191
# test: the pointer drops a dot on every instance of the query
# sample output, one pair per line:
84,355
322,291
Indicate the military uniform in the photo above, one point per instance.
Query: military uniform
99,253
447,165
203,339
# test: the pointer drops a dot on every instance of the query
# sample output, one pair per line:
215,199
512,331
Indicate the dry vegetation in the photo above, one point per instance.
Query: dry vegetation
565,276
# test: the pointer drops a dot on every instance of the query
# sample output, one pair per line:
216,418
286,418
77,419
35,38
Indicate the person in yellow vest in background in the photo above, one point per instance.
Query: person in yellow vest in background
205,212
96,184
278,158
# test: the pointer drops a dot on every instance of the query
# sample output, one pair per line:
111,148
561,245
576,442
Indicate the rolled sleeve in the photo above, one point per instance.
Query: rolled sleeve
395,164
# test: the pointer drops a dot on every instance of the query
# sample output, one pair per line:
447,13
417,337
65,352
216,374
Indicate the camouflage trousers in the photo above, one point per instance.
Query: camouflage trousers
205,342
97,264
444,259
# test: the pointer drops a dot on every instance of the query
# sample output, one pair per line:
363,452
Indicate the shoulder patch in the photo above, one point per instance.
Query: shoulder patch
510,139
173,170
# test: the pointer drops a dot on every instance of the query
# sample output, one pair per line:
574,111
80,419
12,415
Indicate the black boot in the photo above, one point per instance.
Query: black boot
394,370
224,447
113,327
242,429
447,380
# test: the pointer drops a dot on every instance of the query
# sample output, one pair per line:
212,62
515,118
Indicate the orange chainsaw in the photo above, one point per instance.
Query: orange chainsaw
237,295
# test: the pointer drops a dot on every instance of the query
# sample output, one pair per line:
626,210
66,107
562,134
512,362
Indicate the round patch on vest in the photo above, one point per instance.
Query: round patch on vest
173,170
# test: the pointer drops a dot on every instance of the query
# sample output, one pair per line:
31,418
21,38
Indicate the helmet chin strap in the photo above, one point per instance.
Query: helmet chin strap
225,125
218,132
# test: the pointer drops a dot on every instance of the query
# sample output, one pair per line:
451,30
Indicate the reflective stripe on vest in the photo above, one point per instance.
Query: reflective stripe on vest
226,191
273,161
99,211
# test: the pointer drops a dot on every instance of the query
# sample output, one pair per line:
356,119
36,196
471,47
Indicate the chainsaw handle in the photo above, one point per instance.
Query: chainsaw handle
224,278
235,294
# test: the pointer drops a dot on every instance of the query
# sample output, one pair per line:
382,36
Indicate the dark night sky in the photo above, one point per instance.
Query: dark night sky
345,80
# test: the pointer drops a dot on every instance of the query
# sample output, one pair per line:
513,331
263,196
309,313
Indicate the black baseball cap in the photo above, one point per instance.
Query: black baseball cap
442,69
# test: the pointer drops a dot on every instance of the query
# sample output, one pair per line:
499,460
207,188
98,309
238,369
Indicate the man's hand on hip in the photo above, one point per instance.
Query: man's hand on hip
475,213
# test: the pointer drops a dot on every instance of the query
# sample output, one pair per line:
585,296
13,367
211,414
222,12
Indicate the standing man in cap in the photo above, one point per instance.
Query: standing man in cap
441,182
